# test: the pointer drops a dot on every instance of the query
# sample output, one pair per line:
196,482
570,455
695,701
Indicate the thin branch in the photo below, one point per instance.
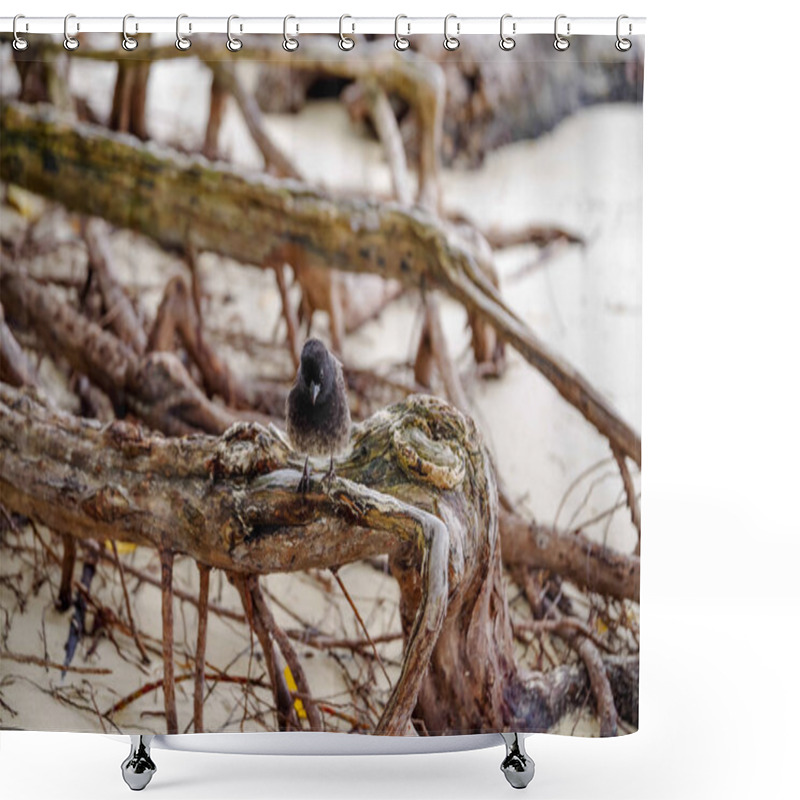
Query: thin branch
129,611
630,494
284,707
167,640
200,652
287,651
338,577
67,569
123,318
274,158
6,655
572,556
155,685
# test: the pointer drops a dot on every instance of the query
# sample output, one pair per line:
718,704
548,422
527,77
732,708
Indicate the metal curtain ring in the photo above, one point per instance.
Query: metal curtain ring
346,42
128,42
623,45
18,43
290,43
507,42
70,42
560,43
400,42
451,42
234,45
181,42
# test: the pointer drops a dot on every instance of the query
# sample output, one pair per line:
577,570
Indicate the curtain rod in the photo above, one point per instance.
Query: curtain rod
298,25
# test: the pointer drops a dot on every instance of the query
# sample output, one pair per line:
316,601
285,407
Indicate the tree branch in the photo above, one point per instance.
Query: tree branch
573,556
185,202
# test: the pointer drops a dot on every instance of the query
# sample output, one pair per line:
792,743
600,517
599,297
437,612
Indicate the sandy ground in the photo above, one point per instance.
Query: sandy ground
584,301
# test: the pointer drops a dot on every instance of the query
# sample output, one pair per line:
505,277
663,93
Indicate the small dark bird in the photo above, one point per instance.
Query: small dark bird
317,414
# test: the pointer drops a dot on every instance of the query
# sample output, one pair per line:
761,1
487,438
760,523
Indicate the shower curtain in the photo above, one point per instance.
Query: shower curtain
460,230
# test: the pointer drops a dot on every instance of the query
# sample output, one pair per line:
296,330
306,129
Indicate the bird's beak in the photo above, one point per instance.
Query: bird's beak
315,387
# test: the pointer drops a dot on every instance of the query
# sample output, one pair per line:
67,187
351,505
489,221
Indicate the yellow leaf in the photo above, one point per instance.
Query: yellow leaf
292,686
122,547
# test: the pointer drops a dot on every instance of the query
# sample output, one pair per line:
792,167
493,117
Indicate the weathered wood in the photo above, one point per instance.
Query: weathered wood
231,503
184,202
416,80
496,98
274,159
156,386
366,99
200,650
586,563
130,94
216,112
122,317
167,640
15,368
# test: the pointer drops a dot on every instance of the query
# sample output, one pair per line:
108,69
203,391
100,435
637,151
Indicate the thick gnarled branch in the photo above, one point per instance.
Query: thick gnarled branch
231,503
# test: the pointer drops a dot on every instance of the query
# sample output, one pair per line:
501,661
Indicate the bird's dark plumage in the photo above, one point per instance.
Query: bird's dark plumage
317,414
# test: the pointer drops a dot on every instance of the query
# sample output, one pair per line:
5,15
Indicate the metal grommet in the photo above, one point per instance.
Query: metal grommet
451,42
290,43
345,42
507,42
561,43
234,45
623,45
400,42
128,42
70,42
18,43
181,42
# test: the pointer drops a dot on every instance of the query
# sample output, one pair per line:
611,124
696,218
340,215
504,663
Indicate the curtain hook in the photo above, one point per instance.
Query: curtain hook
70,42
400,42
234,45
346,42
623,45
290,43
507,42
181,42
19,44
451,42
561,43
128,42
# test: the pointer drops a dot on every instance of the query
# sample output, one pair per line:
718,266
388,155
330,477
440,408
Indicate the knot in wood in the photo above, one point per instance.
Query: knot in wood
246,449
429,443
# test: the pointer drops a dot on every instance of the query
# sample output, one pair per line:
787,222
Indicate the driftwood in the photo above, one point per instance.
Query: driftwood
122,317
67,333
156,387
418,82
184,202
130,95
15,368
571,555
225,79
230,503
495,98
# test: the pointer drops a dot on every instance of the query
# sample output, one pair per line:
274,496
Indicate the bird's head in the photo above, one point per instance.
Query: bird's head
316,370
